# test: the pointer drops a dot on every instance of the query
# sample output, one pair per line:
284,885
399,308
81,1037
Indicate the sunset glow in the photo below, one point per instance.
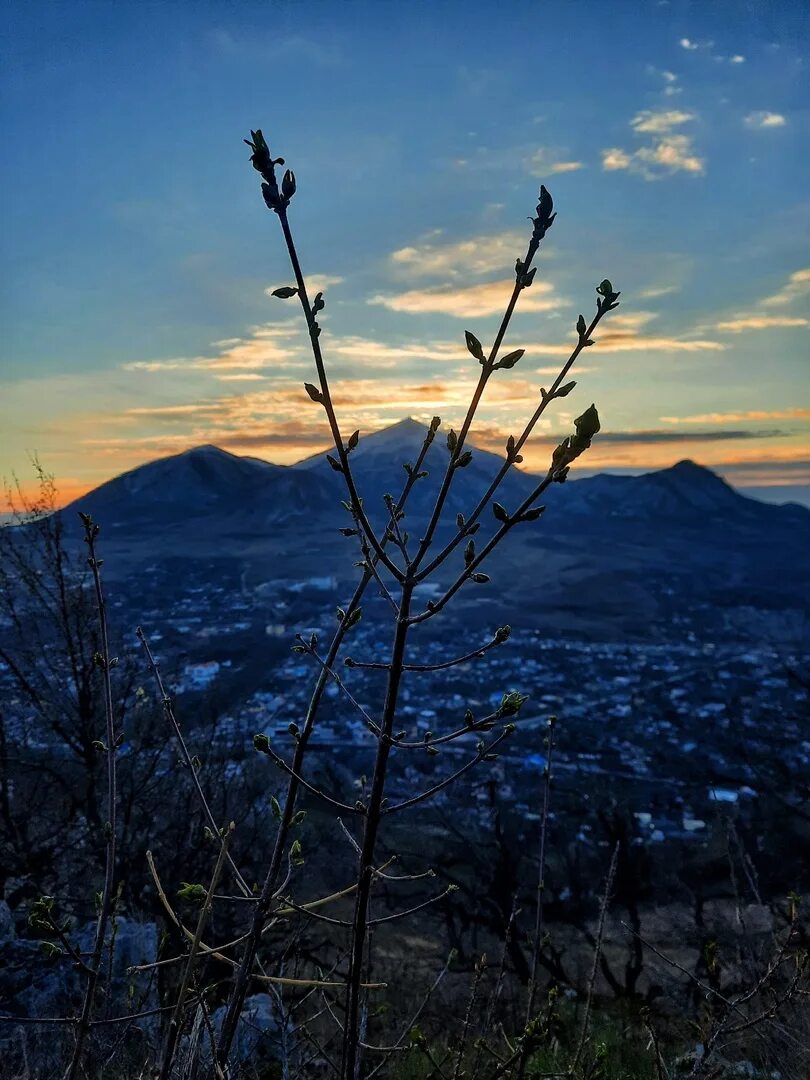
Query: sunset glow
139,257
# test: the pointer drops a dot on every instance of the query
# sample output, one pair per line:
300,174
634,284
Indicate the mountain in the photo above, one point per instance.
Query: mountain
613,554
204,483
682,491
377,465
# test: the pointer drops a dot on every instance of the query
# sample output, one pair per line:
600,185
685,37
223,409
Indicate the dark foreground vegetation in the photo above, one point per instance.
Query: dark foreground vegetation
459,888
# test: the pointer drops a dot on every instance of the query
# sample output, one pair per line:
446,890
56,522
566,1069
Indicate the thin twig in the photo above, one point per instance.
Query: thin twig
105,662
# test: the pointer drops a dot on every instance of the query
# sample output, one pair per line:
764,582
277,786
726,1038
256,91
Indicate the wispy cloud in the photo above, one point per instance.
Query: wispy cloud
693,46
659,121
668,152
626,333
797,286
265,347
479,255
759,322
763,118
654,291
739,417
488,298
658,435
546,162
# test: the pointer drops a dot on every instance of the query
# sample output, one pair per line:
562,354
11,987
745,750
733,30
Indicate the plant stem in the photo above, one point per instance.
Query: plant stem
83,1027
373,815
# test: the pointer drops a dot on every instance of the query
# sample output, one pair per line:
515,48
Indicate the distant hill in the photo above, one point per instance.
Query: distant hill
614,550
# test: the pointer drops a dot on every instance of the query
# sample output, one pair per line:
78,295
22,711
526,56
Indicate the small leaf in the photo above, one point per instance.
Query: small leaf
191,891
533,514
464,460
275,807
469,553
354,439
285,292
296,853
460,520
452,440
511,702
288,184
564,391
500,512
314,392
546,203
480,579
335,464
581,327
318,304
354,618
529,278
474,345
588,424
510,359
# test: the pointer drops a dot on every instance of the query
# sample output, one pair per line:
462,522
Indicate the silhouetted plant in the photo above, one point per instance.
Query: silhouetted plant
398,576
324,992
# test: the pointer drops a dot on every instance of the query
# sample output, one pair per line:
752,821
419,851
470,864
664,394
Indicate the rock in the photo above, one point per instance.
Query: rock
258,1034
8,931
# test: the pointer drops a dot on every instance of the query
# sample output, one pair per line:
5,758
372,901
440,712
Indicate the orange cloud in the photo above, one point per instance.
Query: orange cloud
488,298
798,285
759,322
739,417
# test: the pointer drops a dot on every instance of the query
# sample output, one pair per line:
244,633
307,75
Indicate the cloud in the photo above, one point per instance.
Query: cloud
665,436
488,298
479,255
739,417
759,322
625,333
655,291
761,118
798,285
692,46
668,152
267,347
547,162
736,59
659,121
671,87
615,158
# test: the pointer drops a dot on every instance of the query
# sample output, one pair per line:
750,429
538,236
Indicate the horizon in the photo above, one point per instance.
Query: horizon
777,495
137,315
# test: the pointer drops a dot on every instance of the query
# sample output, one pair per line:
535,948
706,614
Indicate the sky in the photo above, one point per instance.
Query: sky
138,256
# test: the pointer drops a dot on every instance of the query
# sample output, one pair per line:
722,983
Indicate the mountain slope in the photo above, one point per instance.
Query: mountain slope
616,553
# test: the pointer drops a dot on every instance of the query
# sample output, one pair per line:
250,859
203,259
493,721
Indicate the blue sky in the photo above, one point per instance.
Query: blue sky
137,252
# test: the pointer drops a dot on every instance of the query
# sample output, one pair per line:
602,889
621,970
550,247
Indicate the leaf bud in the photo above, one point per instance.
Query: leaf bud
288,184
474,346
